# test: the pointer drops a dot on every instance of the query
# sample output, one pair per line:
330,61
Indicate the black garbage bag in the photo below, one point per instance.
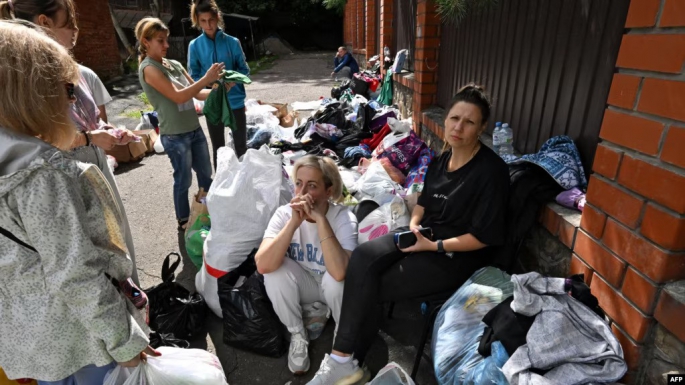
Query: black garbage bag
172,308
359,86
250,322
336,92
167,339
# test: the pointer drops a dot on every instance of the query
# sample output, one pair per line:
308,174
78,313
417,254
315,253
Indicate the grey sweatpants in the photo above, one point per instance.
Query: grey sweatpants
344,73
95,155
291,286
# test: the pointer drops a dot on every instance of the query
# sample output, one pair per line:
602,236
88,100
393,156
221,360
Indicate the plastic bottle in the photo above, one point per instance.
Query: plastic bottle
506,140
496,138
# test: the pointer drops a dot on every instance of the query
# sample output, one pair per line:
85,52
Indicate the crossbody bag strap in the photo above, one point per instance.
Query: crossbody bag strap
17,240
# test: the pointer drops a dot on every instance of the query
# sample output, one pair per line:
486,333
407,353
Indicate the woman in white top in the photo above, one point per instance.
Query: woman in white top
306,249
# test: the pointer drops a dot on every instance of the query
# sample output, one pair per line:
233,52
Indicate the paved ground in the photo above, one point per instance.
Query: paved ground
146,188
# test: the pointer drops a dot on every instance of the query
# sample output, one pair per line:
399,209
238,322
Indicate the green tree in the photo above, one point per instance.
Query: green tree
454,11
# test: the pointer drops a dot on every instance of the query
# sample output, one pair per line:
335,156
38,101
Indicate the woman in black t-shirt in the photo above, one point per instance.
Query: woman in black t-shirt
464,200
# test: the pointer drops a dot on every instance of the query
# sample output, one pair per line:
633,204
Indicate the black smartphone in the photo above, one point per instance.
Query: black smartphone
408,238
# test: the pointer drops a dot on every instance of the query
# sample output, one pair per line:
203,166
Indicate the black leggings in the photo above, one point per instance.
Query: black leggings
379,272
216,134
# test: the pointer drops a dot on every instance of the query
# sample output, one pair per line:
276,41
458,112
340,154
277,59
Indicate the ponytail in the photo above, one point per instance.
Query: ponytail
6,11
146,29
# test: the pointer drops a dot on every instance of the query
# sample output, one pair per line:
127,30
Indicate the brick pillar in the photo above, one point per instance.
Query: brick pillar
387,30
632,236
350,19
360,40
97,45
371,31
425,59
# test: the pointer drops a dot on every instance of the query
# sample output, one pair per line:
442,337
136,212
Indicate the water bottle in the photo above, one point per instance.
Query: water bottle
496,138
506,140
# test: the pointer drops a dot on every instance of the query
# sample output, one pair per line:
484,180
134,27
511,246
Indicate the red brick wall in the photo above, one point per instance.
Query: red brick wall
425,59
371,29
97,45
632,236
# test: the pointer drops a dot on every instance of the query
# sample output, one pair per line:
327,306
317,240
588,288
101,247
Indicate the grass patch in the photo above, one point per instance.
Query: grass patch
135,112
265,63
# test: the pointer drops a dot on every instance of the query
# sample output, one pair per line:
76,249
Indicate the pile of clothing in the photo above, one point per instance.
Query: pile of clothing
524,329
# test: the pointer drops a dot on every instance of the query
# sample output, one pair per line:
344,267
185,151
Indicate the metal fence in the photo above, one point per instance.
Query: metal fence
547,64
404,23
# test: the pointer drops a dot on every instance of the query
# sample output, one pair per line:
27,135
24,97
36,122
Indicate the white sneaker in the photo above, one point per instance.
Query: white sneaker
298,355
332,372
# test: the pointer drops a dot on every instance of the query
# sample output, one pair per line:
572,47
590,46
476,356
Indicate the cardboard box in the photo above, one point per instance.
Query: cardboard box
281,109
128,153
289,119
149,137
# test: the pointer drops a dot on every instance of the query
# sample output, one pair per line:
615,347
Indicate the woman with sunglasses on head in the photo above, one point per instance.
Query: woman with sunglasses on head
58,19
62,321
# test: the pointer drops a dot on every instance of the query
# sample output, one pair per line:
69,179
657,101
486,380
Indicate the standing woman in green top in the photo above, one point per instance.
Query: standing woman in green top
171,91
216,46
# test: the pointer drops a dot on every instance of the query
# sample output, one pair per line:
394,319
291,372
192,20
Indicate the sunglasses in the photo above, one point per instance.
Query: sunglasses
70,91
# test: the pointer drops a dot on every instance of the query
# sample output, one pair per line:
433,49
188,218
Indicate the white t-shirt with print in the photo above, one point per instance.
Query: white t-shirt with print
305,247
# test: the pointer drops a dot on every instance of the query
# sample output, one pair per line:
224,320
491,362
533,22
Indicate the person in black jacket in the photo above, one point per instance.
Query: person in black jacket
464,202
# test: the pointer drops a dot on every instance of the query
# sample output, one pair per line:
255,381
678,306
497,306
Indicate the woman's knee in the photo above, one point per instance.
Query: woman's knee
332,289
280,279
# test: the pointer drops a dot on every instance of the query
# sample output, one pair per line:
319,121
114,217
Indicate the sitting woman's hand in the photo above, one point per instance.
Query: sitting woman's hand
142,357
311,209
422,244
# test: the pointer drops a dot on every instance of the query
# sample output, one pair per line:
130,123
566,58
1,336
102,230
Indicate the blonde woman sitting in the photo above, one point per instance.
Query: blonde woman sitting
305,251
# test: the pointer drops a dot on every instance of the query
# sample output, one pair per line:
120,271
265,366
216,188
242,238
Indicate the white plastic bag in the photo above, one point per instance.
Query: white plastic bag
392,374
243,198
375,182
459,326
199,106
399,125
349,178
175,366
117,376
144,123
389,216
159,147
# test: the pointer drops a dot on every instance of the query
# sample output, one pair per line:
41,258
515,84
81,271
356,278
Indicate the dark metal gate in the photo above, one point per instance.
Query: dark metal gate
404,23
548,64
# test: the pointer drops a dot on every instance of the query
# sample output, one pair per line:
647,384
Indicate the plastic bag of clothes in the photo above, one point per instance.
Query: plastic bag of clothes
244,196
376,182
459,326
174,367
392,374
489,371
172,308
417,174
195,238
401,149
250,322
389,216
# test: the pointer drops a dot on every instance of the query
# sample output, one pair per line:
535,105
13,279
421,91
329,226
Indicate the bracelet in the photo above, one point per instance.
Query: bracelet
329,237
85,133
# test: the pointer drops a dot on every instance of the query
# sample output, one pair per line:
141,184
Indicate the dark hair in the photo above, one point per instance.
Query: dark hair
203,6
30,9
474,94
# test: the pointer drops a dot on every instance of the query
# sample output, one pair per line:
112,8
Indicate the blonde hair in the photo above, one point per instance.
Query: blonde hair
147,28
34,73
331,175
30,9
204,6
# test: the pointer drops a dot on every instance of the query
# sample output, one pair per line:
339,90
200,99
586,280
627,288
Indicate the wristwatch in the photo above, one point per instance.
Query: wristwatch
441,248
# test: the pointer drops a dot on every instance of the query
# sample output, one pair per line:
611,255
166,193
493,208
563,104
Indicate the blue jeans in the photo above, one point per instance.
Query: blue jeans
188,151
87,375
